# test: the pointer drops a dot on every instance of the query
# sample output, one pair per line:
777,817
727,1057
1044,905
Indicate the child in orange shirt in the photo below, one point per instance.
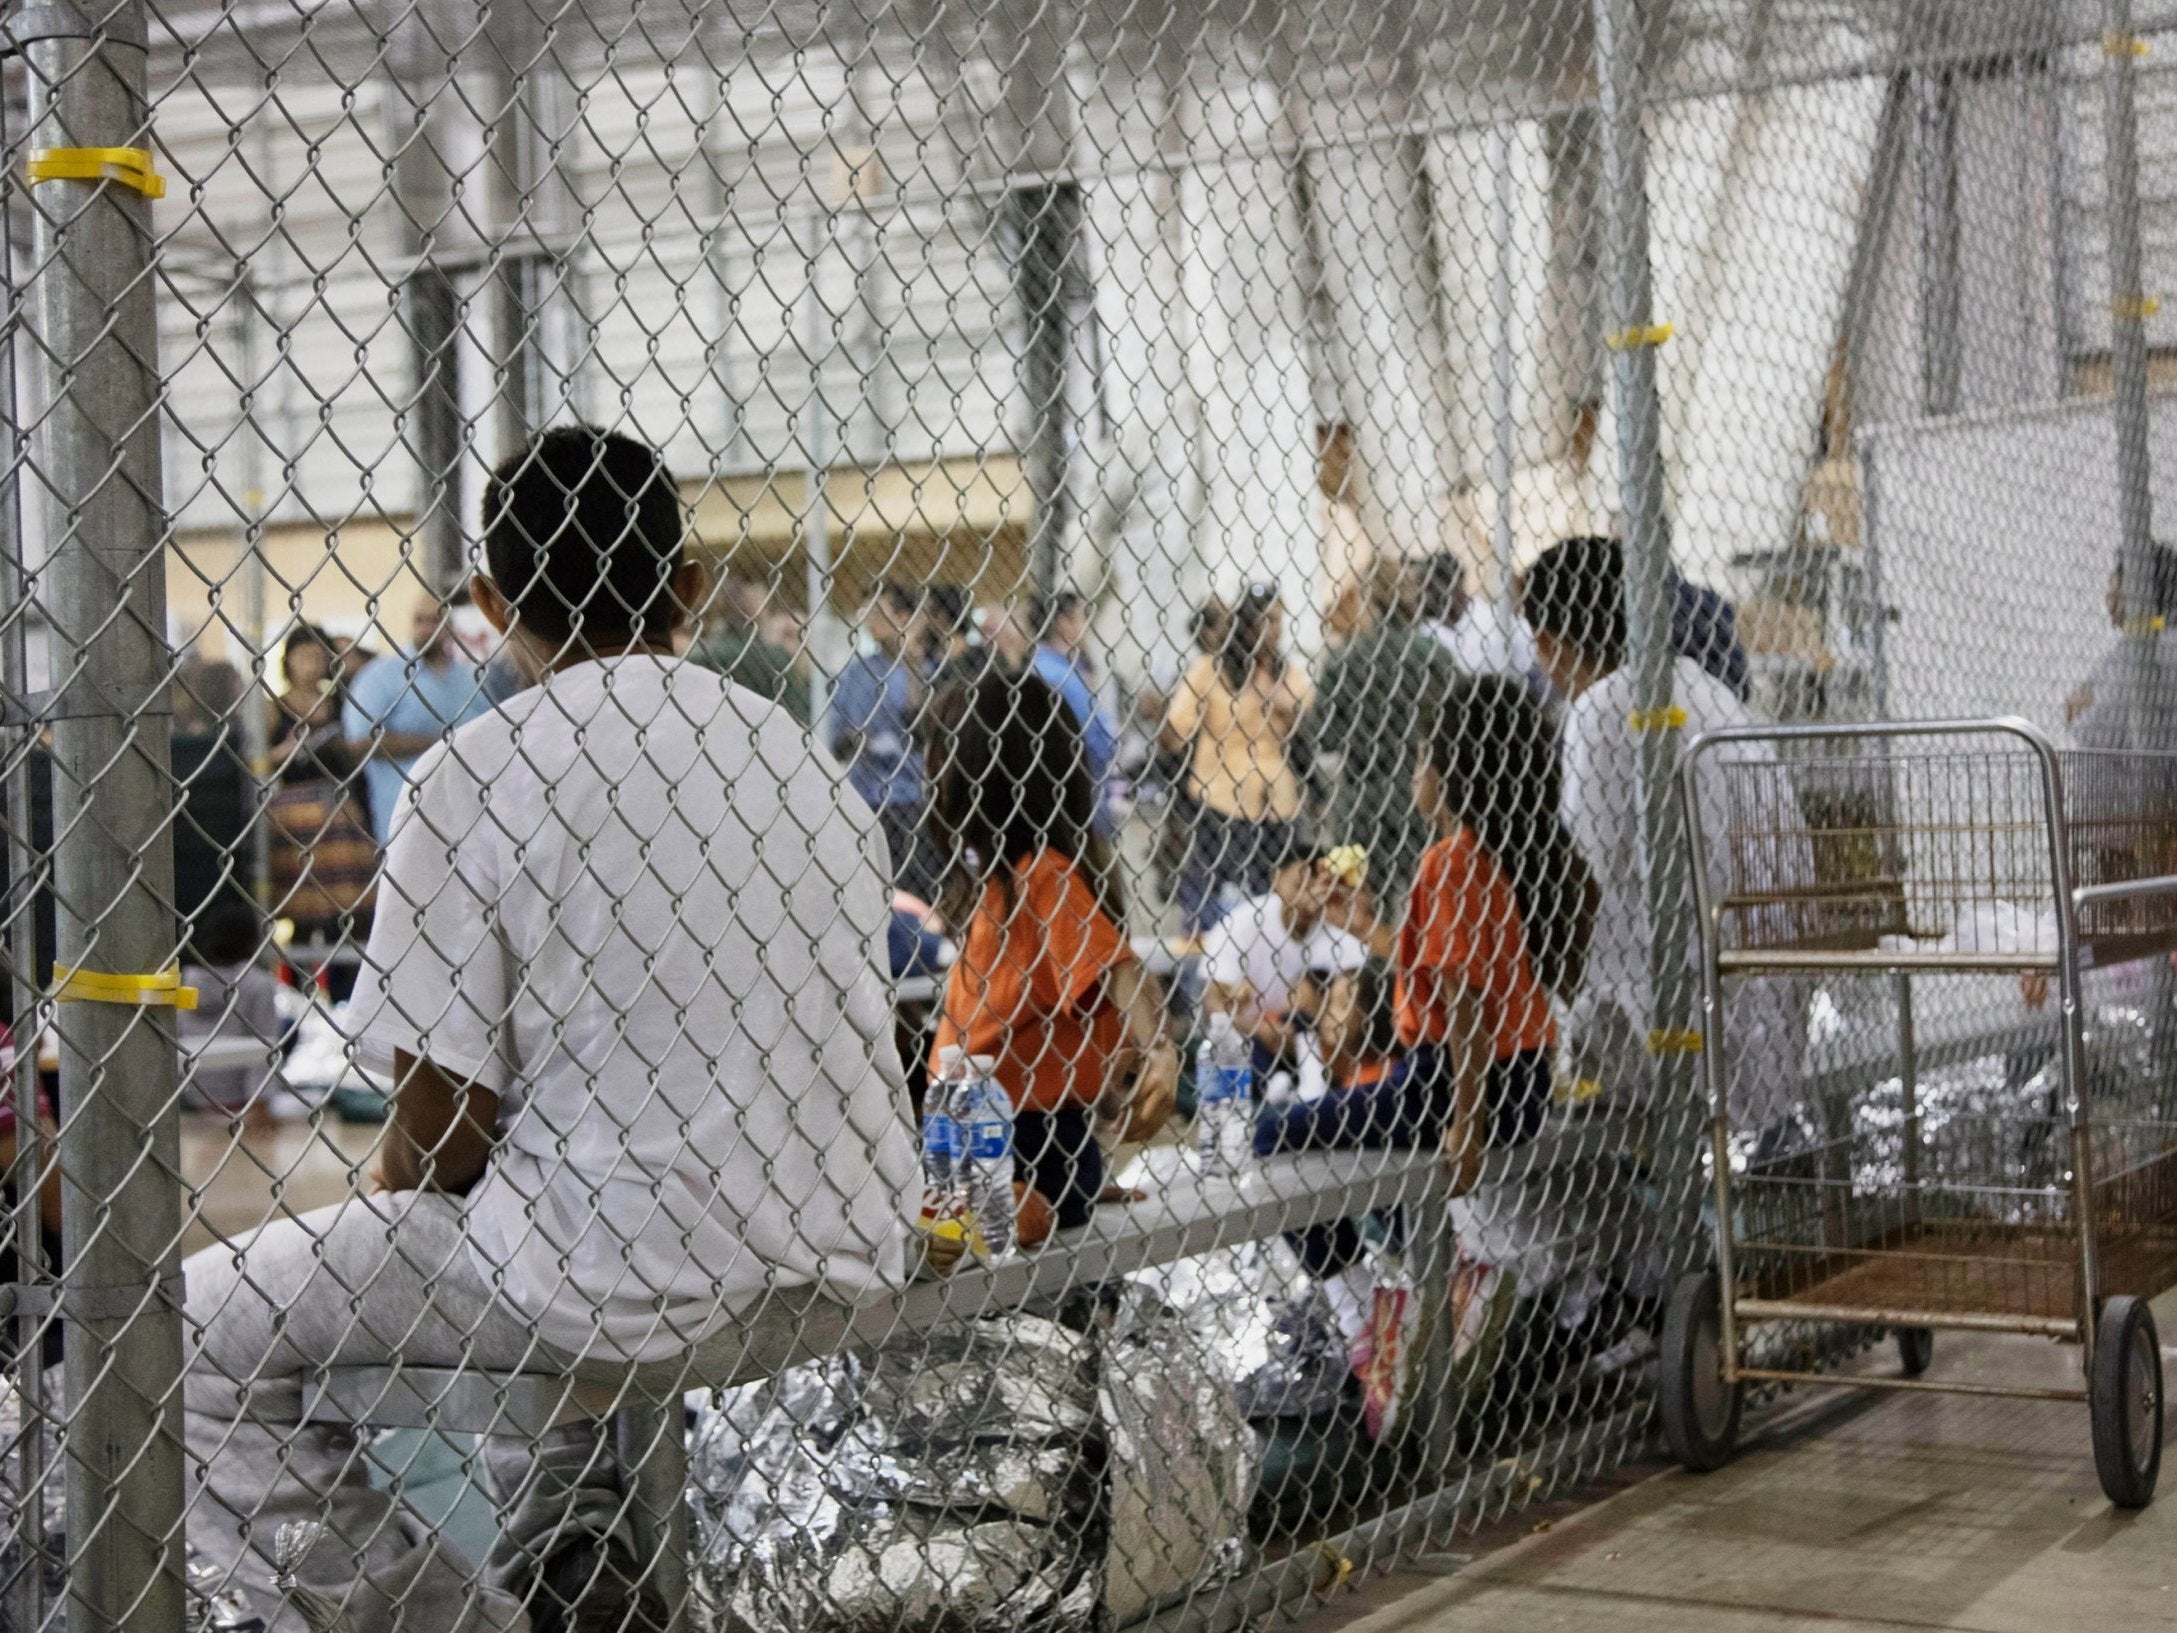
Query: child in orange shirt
1046,983
1498,919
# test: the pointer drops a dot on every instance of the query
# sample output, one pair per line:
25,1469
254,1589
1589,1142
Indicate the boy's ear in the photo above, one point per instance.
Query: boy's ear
493,605
691,588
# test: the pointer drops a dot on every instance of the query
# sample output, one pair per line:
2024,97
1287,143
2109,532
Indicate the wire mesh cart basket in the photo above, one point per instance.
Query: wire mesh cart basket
1908,851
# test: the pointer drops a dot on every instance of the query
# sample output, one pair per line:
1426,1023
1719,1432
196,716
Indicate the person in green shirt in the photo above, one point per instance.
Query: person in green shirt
1375,696
733,644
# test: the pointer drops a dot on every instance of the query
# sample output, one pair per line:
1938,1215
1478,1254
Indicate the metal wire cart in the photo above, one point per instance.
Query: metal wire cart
1910,850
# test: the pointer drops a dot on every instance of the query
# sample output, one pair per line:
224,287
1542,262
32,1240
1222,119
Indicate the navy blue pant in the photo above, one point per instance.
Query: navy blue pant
1056,1153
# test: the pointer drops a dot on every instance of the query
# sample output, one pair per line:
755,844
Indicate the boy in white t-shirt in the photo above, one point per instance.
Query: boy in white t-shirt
1575,601
1268,960
627,976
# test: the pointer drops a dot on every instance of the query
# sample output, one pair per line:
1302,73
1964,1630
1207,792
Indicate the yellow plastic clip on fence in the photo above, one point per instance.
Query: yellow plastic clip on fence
1337,1568
1671,719
130,166
1674,1043
2135,308
2114,44
1641,334
162,990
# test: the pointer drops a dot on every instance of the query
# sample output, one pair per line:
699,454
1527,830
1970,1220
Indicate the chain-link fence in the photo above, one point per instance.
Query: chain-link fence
863,816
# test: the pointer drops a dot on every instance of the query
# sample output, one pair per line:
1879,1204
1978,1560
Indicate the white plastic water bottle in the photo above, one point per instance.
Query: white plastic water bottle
1224,1135
986,1113
944,1151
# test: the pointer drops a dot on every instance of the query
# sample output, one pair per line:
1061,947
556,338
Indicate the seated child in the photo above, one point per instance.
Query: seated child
1370,1100
1046,983
1499,918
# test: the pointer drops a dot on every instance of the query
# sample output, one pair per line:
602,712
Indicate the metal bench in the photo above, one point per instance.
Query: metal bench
643,1402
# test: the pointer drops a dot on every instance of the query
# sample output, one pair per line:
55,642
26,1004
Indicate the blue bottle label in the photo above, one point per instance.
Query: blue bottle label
941,1135
1226,1083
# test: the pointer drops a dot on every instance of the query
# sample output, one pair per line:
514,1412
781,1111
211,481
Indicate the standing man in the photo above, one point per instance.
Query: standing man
647,1109
1379,692
1575,602
870,726
404,704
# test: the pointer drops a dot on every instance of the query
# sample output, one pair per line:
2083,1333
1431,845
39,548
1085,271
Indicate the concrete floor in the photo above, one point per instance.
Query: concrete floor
1849,1512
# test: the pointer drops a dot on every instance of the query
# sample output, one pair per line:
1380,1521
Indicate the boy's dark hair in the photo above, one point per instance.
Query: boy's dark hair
1009,779
1576,592
227,930
1495,759
583,534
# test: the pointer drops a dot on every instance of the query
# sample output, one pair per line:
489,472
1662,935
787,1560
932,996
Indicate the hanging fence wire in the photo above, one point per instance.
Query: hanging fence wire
865,817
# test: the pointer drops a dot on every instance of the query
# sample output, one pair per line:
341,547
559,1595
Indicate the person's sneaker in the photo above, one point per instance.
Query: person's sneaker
591,1586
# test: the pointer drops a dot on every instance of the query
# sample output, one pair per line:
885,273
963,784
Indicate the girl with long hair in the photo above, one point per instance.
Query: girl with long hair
1499,918
1047,984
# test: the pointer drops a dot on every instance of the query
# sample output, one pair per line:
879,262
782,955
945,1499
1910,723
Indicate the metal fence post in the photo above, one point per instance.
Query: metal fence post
431,302
1630,322
2129,309
96,451
26,882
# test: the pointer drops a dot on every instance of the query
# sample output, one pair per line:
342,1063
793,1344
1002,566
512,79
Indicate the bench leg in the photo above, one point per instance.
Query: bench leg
650,1441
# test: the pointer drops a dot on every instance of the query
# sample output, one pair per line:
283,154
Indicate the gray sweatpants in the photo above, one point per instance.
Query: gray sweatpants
362,1283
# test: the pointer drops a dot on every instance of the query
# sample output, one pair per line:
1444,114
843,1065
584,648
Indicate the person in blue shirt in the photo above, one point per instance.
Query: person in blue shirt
870,727
1061,662
402,704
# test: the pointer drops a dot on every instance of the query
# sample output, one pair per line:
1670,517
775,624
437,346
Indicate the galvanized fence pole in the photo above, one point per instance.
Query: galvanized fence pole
96,451
431,298
1635,334
2129,309
26,882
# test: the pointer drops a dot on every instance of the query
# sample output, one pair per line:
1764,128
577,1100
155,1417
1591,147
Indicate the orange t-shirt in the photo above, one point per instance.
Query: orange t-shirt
1463,929
1027,990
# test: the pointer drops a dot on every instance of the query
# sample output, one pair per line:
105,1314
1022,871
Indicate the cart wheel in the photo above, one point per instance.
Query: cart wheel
2125,1396
1700,1412
1915,1350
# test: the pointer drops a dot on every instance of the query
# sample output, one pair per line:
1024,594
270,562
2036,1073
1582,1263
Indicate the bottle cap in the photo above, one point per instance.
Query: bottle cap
983,1065
949,1058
